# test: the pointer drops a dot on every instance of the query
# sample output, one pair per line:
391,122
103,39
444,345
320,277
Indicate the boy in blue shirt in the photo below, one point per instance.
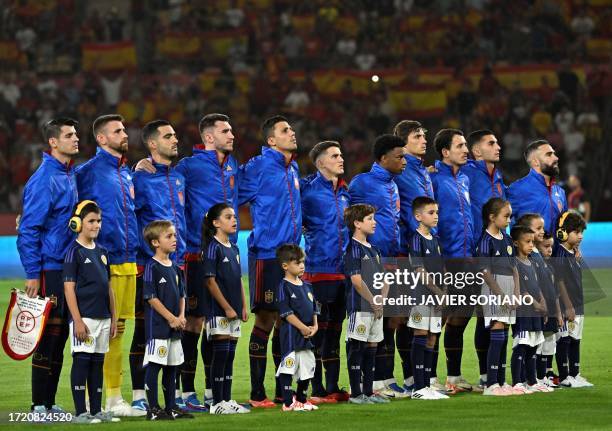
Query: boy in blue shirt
298,310
164,295
90,300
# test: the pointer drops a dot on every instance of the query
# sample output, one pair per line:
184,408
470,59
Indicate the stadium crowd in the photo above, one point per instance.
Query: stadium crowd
272,42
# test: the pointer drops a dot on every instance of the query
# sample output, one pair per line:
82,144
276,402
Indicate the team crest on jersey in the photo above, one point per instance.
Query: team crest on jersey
269,296
103,259
509,250
162,351
181,198
397,204
417,317
231,182
289,362
132,194
361,329
192,302
223,323
310,296
89,341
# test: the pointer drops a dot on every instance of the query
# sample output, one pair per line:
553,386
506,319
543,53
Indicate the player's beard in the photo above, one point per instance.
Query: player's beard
550,170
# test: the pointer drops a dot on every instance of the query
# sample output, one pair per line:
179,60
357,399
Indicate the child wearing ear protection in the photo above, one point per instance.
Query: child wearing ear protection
568,275
93,322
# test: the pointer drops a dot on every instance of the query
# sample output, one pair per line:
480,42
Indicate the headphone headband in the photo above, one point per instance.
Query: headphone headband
81,205
562,219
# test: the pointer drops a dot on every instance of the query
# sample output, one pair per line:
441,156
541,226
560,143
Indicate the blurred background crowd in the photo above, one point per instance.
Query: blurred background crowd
342,70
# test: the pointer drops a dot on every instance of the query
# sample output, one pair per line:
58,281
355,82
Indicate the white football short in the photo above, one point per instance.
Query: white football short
529,338
549,346
98,339
222,326
573,328
164,352
300,364
363,326
499,313
426,318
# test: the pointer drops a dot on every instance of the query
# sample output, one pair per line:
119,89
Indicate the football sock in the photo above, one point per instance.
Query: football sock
494,355
453,346
190,363
207,354
368,364
562,357
300,394
137,350
403,341
385,354
434,358
481,344
78,380
418,360
229,371
151,378
113,364
285,380
530,364
541,366
427,361
95,382
516,363
258,347
219,360
354,357
169,386
276,357
501,375
57,361
574,357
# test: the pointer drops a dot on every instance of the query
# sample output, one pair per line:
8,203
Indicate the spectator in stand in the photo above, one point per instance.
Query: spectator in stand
578,199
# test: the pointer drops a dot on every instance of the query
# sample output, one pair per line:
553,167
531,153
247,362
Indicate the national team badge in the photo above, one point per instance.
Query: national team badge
310,296
571,325
289,362
181,198
269,296
509,250
103,259
296,183
361,329
223,323
397,204
559,206
162,351
417,317
231,182
132,194
89,341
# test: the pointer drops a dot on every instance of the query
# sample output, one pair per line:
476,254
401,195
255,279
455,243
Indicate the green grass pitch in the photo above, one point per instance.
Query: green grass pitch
589,408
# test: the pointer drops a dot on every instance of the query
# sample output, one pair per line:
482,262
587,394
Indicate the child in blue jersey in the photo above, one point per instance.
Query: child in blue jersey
497,262
225,305
90,300
425,320
298,310
365,324
568,274
527,331
552,321
164,295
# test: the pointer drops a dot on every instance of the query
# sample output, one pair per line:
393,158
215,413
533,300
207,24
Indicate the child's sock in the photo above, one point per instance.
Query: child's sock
516,363
300,394
169,386
427,374
78,380
494,355
562,357
368,368
530,365
354,358
285,380
574,357
151,376
481,344
229,371
219,360
418,360
95,381
501,375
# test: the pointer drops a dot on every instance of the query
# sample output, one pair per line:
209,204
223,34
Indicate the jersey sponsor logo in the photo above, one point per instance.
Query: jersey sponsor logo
87,260
162,280
162,351
361,329
225,259
103,259
509,250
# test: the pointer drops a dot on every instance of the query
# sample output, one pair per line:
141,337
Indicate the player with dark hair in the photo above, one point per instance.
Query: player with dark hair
568,276
412,183
537,192
43,237
324,199
486,182
270,183
456,232
377,188
159,196
107,180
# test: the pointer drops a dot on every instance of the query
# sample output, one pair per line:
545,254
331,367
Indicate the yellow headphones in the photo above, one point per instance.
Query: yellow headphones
562,234
76,223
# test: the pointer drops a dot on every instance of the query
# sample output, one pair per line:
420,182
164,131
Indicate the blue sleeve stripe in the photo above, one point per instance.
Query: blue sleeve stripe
70,255
212,249
416,243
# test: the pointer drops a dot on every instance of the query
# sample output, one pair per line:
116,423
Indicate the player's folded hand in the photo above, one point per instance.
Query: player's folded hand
174,322
313,330
570,314
305,331
231,314
81,331
31,287
183,321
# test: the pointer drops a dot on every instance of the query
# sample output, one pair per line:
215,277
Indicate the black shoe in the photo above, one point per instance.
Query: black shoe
177,413
158,414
